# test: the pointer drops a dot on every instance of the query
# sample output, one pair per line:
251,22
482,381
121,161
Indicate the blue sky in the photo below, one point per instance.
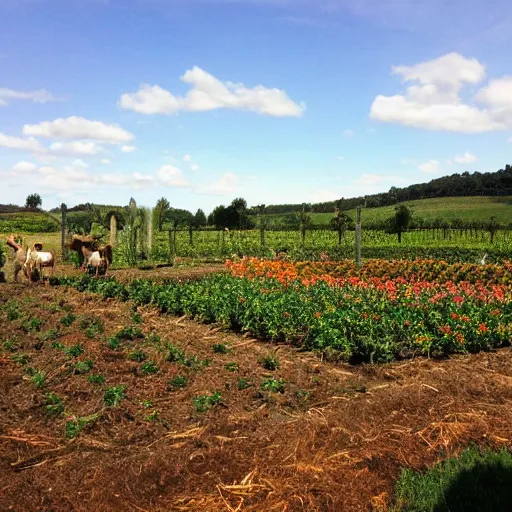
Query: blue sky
202,101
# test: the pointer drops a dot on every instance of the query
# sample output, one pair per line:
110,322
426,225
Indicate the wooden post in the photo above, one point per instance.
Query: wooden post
113,230
358,237
64,249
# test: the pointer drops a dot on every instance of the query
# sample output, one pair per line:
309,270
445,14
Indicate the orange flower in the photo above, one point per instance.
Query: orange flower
459,337
483,328
454,316
318,314
286,314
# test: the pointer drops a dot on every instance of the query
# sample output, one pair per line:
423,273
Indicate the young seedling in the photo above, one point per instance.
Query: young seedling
149,368
83,367
13,310
138,355
178,382
74,351
96,379
76,425
39,379
53,404
244,384
153,417
68,319
32,325
270,362
57,345
22,359
50,334
273,385
129,333
114,395
231,367
204,402
136,318
113,343
11,346
220,348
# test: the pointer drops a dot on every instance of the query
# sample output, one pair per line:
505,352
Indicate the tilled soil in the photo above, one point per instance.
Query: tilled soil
335,438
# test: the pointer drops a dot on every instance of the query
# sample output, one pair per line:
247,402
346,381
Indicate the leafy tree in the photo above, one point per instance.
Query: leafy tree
178,218
199,219
340,223
304,220
234,216
33,201
400,221
492,226
161,208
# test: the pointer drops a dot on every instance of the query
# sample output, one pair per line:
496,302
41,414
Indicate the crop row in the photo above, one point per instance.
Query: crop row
357,319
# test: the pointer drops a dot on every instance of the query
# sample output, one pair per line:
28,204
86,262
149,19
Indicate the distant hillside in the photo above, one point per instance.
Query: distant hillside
24,221
489,184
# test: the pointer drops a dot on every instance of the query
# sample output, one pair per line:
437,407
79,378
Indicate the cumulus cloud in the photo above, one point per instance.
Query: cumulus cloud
194,167
227,184
432,166
75,127
209,93
20,143
128,149
105,161
171,176
466,158
39,96
74,147
23,167
434,102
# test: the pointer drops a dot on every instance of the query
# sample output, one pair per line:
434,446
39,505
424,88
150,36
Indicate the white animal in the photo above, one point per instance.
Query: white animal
482,261
37,259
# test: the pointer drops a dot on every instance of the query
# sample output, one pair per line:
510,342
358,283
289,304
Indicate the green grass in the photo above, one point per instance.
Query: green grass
448,208
474,481
28,222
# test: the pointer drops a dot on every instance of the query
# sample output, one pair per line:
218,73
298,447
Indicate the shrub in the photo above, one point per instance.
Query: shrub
178,382
204,402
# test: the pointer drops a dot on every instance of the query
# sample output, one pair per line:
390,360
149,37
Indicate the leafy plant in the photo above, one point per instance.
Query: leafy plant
50,334
13,310
270,362
113,343
231,367
129,333
136,318
83,367
11,346
114,395
76,425
39,379
138,355
22,359
149,368
220,348
53,404
243,383
274,385
74,351
204,402
178,382
68,320
96,379
92,326
32,325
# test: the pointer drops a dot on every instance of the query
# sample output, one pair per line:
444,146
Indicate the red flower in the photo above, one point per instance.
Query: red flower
318,314
483,328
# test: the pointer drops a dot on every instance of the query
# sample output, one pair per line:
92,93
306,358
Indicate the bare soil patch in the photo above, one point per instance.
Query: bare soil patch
335,439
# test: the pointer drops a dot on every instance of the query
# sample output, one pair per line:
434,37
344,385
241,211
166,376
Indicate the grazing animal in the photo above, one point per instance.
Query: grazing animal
98,260
482,261
20,258
37,259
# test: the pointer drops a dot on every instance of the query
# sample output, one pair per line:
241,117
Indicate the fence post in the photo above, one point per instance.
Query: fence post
358,237
262,236
64,249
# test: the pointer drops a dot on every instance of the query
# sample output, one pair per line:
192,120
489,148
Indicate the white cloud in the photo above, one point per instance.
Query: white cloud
375,179
194,167
466,158
432,166
80,163
40,96
105,161
172,177
209,93
20,143
128,149
435,104
497,94
187,158
75,147
227,184
79,128
24,167
348,133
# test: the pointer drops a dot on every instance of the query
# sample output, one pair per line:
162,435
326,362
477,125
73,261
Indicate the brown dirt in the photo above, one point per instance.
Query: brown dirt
336,439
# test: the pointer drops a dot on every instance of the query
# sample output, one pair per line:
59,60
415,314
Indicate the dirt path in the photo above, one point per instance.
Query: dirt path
334,439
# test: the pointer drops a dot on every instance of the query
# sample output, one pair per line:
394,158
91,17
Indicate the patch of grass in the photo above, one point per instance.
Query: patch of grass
74,350
231,367
13,310
10,345
22,359
178,382
76,425
177,355
244,384
149,368
204,402
136,318
83,367
270,362
113,343
57,345
114,395
53,404
476,480
220,348
273,385
50,334
68,320
129,333
138,355
32,325
153,339
92,326
96,379
39,379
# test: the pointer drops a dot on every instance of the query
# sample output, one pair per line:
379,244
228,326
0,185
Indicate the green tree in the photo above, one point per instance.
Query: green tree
33,201
199,219
399,222
492,226
161,208
340,223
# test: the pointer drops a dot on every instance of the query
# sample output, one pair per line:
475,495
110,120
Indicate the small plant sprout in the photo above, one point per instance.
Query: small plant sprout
153,417
138,355
178,382
270,362
273,385
148,368
76,424
68,319
96,379
39,379
83,367
74,351
220,348
53,404
204,402
129,334
136,318
22,359
243,383
231,367
114,395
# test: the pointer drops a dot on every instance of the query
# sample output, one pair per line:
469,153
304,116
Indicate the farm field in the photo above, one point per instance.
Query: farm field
476,208
110,405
